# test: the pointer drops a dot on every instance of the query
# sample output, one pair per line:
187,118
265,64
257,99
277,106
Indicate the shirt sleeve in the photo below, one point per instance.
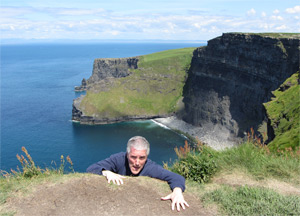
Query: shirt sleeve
174,180
111,164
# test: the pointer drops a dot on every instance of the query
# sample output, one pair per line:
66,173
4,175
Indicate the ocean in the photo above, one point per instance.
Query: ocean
37,91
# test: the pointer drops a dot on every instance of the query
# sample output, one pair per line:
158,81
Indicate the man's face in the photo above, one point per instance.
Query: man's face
137,160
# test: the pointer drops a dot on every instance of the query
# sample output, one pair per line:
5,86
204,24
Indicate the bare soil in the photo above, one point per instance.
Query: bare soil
92,195
88,194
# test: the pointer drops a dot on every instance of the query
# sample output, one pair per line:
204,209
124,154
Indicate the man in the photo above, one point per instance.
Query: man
135,162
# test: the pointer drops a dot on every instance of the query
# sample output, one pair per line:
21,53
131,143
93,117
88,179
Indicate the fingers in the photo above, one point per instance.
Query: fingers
114,178
183,204
166,197
173,206
179,204
117,181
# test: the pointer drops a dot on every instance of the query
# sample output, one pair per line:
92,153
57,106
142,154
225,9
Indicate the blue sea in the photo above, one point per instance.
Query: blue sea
37,91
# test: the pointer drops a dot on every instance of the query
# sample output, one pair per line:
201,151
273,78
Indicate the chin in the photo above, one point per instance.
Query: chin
135,172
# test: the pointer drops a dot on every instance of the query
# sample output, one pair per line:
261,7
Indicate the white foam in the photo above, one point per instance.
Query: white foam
160,124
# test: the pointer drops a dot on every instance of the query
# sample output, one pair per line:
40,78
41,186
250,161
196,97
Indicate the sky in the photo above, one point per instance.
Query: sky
144,19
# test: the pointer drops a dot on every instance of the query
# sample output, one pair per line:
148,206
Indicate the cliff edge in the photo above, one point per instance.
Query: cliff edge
231,78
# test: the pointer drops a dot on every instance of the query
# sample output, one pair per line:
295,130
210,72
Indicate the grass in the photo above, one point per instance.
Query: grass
251,159
260,163
253,201
284,112
152,89
274,35
29,175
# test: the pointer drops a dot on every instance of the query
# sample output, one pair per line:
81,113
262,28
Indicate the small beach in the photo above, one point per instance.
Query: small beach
211,135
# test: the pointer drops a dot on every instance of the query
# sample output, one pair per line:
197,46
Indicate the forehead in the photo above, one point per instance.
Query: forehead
136,152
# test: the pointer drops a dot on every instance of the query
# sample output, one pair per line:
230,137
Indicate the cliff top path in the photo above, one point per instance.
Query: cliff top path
91,195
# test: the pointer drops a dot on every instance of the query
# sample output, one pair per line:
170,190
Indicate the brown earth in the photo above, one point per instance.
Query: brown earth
87,194
92,195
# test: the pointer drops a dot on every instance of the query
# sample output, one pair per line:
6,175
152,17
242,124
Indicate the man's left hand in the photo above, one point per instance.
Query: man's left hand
177,199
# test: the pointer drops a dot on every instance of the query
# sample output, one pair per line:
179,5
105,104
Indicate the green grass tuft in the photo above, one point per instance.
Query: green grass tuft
260,162
284,112
254,201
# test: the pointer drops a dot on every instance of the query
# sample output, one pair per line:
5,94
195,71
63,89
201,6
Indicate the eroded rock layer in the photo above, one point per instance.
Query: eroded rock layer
231,78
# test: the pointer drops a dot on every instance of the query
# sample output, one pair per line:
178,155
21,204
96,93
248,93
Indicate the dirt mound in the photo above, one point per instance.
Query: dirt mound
91,195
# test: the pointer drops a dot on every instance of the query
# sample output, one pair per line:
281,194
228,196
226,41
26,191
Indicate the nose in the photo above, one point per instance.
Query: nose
137,162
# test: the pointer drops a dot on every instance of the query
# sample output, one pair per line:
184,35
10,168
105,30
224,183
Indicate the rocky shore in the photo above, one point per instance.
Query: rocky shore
211,135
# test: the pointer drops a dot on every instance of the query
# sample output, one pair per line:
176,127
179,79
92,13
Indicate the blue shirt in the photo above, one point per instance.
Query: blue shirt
118,163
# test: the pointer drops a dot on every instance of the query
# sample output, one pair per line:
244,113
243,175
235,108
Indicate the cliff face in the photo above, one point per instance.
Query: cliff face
108,68
112,67
231,78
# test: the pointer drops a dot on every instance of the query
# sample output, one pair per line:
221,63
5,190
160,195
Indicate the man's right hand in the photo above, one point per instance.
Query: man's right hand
111,176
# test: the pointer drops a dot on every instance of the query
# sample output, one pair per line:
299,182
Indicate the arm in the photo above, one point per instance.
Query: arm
109,167
176,182
156,171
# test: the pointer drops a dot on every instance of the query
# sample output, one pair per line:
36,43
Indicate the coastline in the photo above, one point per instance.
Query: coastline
211,135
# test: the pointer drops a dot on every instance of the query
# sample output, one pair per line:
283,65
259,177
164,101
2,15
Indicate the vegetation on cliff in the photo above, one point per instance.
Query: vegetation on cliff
273,35
245,180
154,88
284,113
234,196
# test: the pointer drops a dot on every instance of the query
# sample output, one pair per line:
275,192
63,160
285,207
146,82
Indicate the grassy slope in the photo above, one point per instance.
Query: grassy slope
274,35
284,112
249,181
154,88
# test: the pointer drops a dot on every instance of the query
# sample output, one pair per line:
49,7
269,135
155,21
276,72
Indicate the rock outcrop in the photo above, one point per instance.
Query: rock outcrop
231,78
112,67
108,68
103,70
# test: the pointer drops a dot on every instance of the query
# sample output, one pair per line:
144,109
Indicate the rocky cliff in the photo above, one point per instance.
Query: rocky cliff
228,82
108,68
127,89
231,78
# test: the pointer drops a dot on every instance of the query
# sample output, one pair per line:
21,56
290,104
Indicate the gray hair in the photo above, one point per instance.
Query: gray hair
139,143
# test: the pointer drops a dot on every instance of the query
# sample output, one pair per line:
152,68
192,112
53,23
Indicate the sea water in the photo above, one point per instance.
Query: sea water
37,91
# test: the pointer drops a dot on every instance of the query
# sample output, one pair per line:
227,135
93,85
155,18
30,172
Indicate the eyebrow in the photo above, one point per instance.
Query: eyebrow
133,156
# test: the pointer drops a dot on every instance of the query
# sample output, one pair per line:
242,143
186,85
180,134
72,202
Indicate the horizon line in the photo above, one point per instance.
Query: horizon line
15,41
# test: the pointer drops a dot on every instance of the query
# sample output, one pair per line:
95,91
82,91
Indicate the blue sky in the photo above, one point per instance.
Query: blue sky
144,19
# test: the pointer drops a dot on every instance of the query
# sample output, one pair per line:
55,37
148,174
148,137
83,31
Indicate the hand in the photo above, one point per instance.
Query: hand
177,199
111,176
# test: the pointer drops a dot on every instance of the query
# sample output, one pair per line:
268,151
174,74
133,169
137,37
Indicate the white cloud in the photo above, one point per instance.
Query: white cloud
79,12
293,10
279,18
14,11
97,23
282,27
251,12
